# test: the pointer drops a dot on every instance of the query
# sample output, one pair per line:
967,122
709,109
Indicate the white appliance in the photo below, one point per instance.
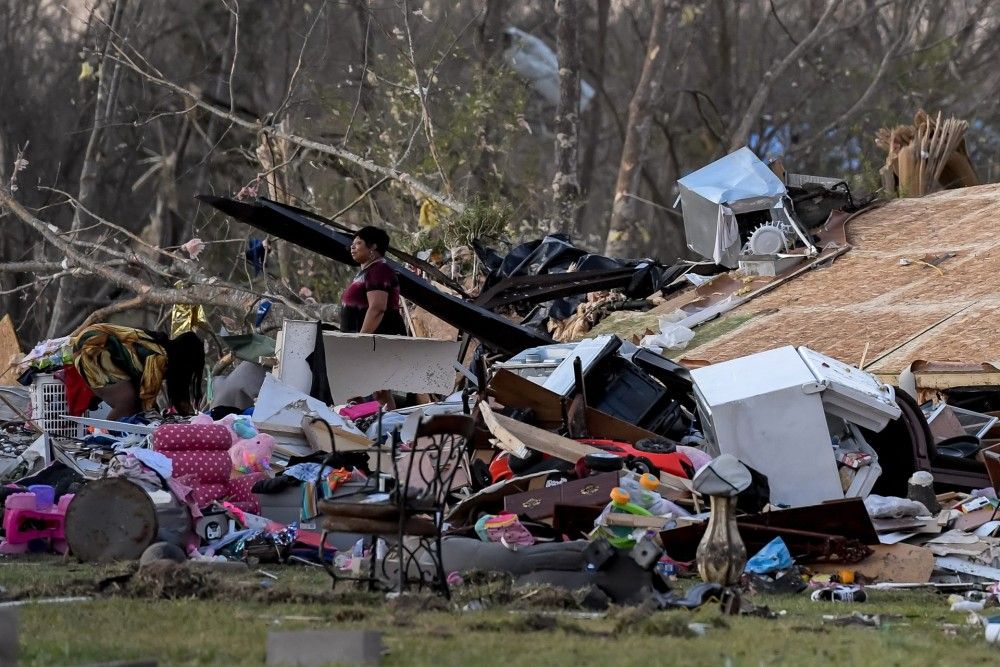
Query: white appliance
778,411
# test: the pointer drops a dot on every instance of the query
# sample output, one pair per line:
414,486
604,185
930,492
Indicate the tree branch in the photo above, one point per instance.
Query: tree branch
204,292
422,96
759,99
328,149
862,101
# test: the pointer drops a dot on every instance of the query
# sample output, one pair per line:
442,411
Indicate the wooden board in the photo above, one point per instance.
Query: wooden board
972,520
318,437
10,351
901,312
896,563
517,437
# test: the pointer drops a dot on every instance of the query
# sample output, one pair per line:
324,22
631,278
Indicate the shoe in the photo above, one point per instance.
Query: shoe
840,594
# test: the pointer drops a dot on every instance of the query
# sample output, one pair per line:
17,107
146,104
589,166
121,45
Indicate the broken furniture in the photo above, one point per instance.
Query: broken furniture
783,411
515,392
737,207
412,514
948,421
613,383
839,531
907,445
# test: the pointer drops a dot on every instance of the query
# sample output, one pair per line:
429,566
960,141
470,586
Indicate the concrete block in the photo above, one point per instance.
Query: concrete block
8,637
309,648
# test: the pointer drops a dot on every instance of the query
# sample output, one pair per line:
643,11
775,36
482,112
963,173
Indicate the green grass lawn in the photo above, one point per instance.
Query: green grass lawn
229,626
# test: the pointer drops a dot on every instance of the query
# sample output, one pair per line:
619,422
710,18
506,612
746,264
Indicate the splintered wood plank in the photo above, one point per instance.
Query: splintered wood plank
517,438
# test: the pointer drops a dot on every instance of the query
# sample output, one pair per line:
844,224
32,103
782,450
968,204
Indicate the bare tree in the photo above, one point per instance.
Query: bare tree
484,171
752,113
103,105
624,215
594,116
566,184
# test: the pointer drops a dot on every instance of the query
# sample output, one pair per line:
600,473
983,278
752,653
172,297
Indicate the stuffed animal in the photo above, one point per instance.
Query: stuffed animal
240,427
251,455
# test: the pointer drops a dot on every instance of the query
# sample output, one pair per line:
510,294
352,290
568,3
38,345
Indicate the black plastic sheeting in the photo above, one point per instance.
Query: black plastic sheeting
556,254
314,233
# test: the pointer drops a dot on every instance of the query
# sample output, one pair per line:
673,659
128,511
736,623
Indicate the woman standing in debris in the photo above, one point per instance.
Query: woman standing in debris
126,367
370,304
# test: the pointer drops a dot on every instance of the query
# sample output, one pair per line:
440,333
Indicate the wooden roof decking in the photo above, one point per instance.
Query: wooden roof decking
902,312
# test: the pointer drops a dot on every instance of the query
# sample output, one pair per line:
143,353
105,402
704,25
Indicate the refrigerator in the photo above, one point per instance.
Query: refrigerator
787,413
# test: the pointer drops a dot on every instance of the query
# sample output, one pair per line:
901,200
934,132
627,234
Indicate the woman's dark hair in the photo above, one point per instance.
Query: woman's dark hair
185,368
374,236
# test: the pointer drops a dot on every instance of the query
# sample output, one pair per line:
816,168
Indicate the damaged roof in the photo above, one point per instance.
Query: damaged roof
920,283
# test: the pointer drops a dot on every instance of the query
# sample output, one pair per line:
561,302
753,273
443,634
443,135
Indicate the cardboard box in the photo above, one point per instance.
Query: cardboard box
284,507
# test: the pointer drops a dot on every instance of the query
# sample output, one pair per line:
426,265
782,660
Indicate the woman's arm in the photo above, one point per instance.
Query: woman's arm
378,301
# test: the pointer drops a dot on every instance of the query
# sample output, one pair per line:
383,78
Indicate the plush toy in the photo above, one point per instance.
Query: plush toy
250,455
240,426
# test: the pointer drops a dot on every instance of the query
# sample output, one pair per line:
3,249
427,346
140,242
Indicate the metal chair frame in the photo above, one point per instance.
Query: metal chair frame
424,473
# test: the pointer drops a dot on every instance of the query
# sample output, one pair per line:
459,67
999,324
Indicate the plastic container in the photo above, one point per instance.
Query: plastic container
45,495
643,491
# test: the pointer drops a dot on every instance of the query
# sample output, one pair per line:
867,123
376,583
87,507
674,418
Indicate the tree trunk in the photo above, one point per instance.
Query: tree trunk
566,184
624,212
594,115
216,129
484,172
273,157
62,306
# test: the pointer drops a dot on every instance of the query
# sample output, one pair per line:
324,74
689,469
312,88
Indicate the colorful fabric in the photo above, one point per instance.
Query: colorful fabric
504,528
378,277
78,393
106,354
185,317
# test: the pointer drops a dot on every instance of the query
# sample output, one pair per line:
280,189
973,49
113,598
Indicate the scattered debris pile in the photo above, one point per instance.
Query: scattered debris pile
597,469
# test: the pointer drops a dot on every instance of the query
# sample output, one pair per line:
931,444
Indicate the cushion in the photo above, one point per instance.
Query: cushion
191,437
207,467
206,493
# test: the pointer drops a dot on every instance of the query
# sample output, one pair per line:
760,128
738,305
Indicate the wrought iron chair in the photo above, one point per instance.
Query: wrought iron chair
413,514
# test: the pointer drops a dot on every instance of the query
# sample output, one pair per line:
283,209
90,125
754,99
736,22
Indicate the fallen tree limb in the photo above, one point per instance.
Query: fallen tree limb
201,290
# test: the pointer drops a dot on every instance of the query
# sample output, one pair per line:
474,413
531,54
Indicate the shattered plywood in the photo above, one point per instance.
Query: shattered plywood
517,438
10,351
896,563
902,312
